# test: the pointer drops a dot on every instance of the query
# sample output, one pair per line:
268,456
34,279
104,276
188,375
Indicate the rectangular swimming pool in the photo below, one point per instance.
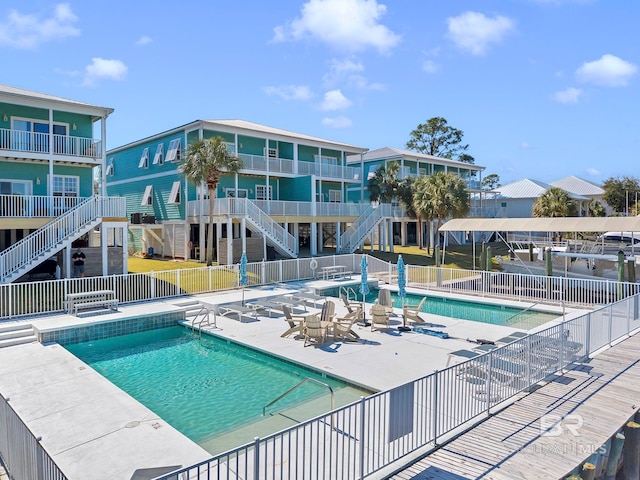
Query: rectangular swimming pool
206,387
483,312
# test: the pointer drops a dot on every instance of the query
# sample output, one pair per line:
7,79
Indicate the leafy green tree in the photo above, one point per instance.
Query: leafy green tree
491,181
555,202
440,196
383,185
596,209
438,138
205,162
620,192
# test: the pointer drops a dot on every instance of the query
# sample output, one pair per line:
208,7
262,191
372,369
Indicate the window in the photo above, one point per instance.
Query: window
263,192
144,159
174,196
335,196
15,187
158,158
110,168
33,136
173,153
326,160
231,193
65,186
147,198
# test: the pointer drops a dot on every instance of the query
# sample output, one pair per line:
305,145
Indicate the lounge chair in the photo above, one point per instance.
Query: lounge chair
308,297
315,331
380,319
384,299
295,322
328,311
412,312
343,326
237,309
351,306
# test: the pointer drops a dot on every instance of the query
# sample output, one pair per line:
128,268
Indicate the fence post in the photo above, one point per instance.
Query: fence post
280,275
153,284
587,340
434,402
361,450
178,277
489,383
256,458
610,310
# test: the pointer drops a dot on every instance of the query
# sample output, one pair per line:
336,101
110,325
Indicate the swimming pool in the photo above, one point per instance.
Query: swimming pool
204,387
466,310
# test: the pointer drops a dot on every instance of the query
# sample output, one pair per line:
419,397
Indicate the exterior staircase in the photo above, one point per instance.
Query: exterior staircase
363,226
16,334
45,242
260,222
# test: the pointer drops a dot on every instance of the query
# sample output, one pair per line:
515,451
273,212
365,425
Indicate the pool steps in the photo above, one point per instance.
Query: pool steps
16,334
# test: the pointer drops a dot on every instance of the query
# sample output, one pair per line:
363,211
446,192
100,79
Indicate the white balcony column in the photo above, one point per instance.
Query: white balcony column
338,233
391,239
67,261
403,233
50,178
236,185
313,239
229,241
216,246
104,249
295,159
103,155
243,233
125,248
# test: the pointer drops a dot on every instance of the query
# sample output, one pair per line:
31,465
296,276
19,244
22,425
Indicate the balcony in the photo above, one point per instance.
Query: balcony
280,208
264,165
20,206
21,144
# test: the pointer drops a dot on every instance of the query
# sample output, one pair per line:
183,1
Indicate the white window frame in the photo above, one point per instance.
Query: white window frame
158,158
324,160
27,184
264,192
174,196
66,179
110,168
173,152
231,193
144,159
147,197
335,196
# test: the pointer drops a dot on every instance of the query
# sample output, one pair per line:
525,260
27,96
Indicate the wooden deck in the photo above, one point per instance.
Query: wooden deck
595,399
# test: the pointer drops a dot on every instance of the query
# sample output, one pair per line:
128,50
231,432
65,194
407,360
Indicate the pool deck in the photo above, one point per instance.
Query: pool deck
93,430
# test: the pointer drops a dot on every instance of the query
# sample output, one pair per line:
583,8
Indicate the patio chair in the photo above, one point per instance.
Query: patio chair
380,319
412,312
343,326
295,322
328,311
315,331
237,309
384,299
351,306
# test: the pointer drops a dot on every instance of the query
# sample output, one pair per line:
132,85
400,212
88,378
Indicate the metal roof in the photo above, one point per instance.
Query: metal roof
28,94
391,152
556,224
578,186
528,188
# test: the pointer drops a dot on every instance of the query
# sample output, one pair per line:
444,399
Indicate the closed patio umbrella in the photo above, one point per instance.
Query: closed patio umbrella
402,292
243,281
364,285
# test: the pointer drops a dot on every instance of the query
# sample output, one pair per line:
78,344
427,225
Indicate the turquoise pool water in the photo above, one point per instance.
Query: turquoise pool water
474,311
204,387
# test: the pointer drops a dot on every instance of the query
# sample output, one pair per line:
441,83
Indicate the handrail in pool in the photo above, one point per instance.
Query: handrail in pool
295,387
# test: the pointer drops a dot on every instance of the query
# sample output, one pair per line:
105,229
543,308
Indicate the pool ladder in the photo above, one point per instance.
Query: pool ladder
347,292
200,318
298,385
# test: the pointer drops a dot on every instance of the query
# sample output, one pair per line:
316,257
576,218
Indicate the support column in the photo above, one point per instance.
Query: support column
243,233
296,234
67,261
229,241
320,237
372,240
104,250
313,238
403,233
338,233
217,245
125,248
391,239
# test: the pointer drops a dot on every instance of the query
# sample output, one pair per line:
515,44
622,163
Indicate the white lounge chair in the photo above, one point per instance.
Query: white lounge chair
238,309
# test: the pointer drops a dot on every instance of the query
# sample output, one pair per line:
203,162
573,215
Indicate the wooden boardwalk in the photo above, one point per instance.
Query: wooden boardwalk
588,405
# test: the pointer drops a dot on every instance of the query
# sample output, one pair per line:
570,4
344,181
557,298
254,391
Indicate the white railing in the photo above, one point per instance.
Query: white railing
36,205
60,230
269,226
285,208
325,170
34,142
356,233
260,163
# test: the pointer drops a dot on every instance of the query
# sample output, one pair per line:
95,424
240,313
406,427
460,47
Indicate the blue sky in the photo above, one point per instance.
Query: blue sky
541,88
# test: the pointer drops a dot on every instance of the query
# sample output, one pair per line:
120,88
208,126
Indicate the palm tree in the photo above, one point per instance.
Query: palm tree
205,162
383,186
440,196
596,209
555,202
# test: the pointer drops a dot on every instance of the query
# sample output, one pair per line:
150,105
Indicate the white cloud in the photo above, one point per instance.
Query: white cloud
608,71
103,68
525,145
351,25
290,92
144,40
28,31
570,95
335,100
430,66
337,122
593,171
474,31
348,72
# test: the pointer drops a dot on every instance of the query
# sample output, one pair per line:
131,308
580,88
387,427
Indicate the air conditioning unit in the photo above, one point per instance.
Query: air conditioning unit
148,219
136,218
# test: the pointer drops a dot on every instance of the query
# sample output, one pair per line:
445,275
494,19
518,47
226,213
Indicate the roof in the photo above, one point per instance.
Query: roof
28,94
578,186
245,125
528,188
556,224
391,152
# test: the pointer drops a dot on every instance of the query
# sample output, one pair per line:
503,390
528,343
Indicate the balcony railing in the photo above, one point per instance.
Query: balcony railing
283,208
63,145
36,206
283,165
